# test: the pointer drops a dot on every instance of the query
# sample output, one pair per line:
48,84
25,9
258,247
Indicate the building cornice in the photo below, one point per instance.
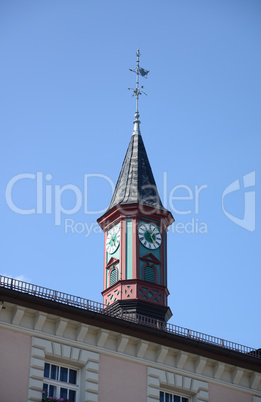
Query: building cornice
147,334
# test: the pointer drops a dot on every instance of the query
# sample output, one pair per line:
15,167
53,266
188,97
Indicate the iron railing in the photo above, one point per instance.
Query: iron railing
85,304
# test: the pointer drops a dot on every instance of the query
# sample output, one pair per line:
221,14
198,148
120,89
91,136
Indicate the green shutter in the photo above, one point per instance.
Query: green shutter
149,274
113,277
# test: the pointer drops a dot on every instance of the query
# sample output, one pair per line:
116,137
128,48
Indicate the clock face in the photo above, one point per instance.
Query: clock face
149,236
113,240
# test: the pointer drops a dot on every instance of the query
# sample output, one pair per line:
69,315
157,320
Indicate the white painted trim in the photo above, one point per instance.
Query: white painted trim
79,336
156,379
88,361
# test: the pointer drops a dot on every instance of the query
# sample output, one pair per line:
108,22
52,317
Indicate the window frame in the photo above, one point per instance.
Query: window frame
112,269
62,384
173,394
149,267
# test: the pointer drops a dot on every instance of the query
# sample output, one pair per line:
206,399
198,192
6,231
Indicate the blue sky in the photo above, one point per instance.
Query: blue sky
66,113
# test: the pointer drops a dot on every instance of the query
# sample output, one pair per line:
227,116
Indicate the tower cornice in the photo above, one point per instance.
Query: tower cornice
126,211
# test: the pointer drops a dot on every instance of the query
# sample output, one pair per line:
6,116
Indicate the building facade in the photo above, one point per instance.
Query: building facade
72,348
55,345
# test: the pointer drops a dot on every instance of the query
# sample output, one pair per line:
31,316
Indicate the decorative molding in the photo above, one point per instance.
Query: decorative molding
122,343
81,332
113,261
141,349
181,359
60,327
18,315
92,378
255,380
237,375
218,370
69,339
39,322
150,258
200,365
157,379
43,349
161,354
102,338
151,292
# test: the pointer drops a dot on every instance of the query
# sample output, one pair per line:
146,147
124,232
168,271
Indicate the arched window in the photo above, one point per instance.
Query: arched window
113,276
149,273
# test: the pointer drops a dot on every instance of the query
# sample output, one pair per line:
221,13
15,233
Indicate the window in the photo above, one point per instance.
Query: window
149,274
113,277
166,397
60,382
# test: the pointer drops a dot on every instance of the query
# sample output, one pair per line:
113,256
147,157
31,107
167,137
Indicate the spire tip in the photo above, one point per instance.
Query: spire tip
137,91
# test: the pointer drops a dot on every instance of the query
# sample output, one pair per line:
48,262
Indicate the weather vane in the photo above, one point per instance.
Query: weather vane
138,91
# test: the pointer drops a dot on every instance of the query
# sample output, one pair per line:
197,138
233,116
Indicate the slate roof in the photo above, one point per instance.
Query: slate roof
136,183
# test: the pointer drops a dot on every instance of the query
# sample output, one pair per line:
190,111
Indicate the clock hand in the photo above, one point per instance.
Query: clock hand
112,239
152,237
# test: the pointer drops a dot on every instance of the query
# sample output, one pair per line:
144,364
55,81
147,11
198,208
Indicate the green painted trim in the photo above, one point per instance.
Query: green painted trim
115,255
129,249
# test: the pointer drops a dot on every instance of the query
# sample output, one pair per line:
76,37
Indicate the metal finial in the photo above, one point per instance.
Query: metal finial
137,91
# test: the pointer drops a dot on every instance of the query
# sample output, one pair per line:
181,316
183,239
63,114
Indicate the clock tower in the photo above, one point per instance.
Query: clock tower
135,227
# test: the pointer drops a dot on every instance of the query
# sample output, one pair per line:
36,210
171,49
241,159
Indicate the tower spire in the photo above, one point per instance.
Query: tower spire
135,227
137,91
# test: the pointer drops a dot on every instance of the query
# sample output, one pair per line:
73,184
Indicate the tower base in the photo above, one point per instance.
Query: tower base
130,308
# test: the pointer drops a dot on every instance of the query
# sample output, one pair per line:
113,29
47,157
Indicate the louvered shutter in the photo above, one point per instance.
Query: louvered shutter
149,274
113,277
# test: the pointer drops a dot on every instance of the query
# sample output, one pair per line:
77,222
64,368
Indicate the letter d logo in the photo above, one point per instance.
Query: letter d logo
248,222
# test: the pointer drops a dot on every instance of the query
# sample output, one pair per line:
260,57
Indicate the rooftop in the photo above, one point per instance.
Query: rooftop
136,183
16,291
